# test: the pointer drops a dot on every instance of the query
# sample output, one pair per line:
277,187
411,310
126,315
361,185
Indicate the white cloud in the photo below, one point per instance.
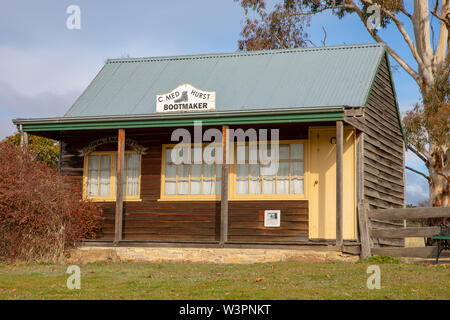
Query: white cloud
416,185
15,104
415,162
416,188
38,71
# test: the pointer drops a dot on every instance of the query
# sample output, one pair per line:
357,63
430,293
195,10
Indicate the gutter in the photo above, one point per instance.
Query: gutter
185,115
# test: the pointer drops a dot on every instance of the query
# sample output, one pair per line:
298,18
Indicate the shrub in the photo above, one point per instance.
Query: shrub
40,212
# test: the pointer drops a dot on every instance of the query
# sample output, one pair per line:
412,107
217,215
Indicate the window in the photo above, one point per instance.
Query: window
189,181
248,181
255,180
131,175
100,176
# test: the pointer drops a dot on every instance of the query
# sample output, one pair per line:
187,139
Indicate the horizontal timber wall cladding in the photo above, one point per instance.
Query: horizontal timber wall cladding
151,219
384,183
383,146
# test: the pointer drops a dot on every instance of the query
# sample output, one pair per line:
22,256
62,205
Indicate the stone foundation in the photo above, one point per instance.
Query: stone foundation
202,255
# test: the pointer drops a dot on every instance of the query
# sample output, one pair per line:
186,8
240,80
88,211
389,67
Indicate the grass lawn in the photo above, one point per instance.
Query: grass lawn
283,280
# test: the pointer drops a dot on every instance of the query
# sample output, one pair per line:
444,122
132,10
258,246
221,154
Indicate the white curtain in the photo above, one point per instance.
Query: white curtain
297,151
282,185
183,187
258,179
255,186
269,185
183,179
196,187
296,186
92,182
208,186
284,151
170,187
99,175
242,186
195,179
132,162
297,168
105,175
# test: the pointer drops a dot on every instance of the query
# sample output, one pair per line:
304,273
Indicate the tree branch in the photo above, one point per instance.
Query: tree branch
441,17
445,21
443,41
349,4
324,37
308,13
417,153
310,41
402,30
406,13
394,54
420,173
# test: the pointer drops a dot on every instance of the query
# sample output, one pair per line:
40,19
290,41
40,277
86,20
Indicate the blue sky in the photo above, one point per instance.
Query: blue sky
44,66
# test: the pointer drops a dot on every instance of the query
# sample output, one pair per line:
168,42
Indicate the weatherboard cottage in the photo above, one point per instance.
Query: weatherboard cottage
334,111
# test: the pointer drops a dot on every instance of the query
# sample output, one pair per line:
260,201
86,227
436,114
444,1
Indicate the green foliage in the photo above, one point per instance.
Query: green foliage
285,26
428,124
427,129
382,259
42,149
278,29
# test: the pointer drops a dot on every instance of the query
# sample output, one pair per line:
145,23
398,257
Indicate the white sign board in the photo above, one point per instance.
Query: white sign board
186,98
272,218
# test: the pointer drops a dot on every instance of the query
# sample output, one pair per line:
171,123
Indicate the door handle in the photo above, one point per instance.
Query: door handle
316,182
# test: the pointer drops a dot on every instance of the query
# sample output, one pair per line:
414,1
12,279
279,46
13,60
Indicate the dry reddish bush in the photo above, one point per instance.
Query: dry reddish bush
40,213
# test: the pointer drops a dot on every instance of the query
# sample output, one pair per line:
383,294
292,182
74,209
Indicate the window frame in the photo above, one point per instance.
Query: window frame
113,178
185,197
233,195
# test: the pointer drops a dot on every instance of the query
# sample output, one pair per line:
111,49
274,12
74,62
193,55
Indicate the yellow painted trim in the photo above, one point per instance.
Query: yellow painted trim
318,227
112,185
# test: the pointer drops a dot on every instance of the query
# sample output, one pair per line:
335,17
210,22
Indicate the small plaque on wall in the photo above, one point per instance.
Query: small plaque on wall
272,218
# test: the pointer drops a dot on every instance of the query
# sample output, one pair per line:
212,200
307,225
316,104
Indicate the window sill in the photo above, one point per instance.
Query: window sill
267,197
189,198
112,200
259,198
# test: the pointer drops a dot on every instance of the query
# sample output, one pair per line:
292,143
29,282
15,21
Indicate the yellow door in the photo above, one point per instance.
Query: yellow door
322,205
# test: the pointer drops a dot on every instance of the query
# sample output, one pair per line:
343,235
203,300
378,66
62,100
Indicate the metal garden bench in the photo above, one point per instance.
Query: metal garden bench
443,240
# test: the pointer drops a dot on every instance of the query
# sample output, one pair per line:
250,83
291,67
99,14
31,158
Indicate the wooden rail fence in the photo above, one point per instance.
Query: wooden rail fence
369,232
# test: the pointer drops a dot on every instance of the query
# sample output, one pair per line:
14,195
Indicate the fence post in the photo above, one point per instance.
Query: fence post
364,235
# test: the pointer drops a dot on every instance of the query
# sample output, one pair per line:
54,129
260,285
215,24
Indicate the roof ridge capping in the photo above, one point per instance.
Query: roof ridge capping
246,53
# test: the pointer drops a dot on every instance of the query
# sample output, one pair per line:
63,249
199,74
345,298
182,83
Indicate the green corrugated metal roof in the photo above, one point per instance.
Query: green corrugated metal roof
257,80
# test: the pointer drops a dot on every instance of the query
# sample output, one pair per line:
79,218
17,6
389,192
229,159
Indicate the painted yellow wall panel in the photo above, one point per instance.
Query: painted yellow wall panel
322,207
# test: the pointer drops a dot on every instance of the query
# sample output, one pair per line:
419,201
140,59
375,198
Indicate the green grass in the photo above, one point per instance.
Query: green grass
283,280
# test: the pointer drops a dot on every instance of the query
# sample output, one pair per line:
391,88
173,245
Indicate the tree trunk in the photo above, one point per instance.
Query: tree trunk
439,184
421,24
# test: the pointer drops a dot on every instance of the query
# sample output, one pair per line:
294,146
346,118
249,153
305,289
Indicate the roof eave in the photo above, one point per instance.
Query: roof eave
112,118
180,120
